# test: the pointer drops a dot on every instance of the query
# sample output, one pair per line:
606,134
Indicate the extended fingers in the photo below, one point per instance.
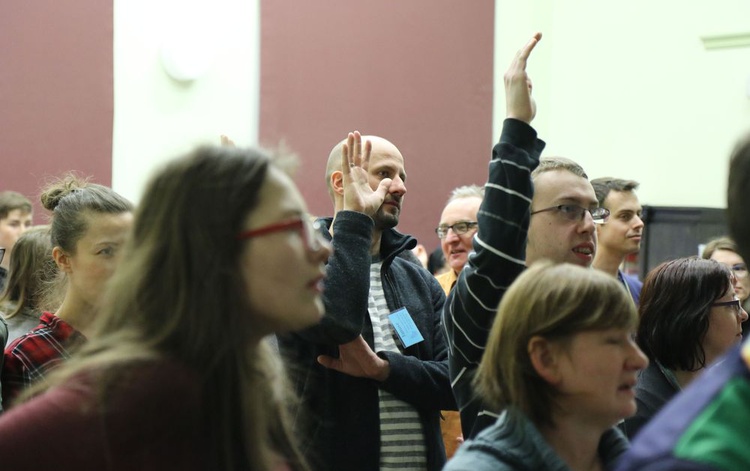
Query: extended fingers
366,156
345,159
518,66
351,153
525,52
357,154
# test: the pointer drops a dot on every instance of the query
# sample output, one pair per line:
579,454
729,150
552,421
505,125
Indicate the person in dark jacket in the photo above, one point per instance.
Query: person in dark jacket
373,376
689,317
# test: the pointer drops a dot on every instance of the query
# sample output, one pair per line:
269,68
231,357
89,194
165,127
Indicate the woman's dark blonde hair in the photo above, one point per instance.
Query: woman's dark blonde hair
554,302
178,293
31,269
72,199
719,243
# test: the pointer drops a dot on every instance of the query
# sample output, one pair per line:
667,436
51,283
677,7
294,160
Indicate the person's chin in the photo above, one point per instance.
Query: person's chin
310,316
582,260
457,261
386,221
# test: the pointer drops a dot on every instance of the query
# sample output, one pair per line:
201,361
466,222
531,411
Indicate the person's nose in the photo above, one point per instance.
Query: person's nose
743,315
321,250
637,359
451,236
398,187
587,224
638,223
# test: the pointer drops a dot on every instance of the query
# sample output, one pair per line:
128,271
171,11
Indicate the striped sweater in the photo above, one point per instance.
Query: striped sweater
498,258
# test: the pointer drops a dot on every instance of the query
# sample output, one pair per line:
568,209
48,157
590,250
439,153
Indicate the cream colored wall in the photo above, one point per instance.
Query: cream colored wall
627,89
157,117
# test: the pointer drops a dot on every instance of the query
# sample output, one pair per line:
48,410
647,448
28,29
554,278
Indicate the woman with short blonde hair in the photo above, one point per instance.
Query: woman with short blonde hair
561,364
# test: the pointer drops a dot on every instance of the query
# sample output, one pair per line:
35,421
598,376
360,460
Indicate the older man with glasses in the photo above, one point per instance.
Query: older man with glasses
458,224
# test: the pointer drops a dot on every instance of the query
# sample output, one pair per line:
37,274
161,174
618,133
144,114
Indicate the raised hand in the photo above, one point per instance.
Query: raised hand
519,103
226,141
358,194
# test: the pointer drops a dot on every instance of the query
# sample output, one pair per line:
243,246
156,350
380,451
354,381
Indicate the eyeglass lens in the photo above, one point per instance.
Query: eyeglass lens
459,228
739,270
576,213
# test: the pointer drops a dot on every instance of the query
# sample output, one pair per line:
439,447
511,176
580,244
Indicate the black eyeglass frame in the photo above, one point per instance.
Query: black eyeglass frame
735,302
442,231
574,212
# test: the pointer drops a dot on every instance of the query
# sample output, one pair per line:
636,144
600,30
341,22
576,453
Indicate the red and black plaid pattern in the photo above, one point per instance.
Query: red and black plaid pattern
29,357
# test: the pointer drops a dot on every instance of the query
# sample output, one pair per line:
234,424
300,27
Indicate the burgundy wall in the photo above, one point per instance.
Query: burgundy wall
417,72
56,92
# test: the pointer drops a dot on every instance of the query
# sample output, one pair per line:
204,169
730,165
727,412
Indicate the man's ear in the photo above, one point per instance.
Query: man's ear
337,182
544,357
61,259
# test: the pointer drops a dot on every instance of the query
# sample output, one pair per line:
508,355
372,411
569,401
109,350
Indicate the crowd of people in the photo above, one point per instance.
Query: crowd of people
217,325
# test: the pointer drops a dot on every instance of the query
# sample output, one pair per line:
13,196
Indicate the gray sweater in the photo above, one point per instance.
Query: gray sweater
513,443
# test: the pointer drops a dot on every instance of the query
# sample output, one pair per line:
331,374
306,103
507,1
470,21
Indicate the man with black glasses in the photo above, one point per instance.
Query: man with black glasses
458,224
532,210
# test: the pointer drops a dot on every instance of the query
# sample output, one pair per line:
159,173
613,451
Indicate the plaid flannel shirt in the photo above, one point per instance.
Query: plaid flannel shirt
29,357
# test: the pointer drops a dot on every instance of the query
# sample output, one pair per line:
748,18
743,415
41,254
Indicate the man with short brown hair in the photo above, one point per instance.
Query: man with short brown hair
15,218
621,235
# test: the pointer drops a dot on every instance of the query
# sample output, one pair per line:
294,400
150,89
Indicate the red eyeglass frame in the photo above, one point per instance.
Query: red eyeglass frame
294,224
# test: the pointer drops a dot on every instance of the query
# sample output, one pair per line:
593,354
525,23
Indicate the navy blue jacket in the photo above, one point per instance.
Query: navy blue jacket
342,412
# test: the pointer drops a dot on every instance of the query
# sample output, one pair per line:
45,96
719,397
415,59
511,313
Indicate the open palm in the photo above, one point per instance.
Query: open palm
358,194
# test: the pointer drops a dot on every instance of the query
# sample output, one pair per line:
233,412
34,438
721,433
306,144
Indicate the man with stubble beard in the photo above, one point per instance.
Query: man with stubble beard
373,376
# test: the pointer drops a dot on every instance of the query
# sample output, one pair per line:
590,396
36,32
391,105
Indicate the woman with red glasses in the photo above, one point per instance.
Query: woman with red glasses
689,316
176,374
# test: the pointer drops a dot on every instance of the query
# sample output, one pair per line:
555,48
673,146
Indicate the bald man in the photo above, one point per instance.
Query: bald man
375,371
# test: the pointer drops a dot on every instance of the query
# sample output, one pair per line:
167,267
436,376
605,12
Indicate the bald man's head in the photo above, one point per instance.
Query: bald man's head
385,161
379,145
333,165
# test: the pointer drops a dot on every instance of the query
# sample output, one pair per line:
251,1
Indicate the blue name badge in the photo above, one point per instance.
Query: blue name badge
405,327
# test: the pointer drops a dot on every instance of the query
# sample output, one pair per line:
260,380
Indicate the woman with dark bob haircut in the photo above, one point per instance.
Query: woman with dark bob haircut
689,316
176,373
